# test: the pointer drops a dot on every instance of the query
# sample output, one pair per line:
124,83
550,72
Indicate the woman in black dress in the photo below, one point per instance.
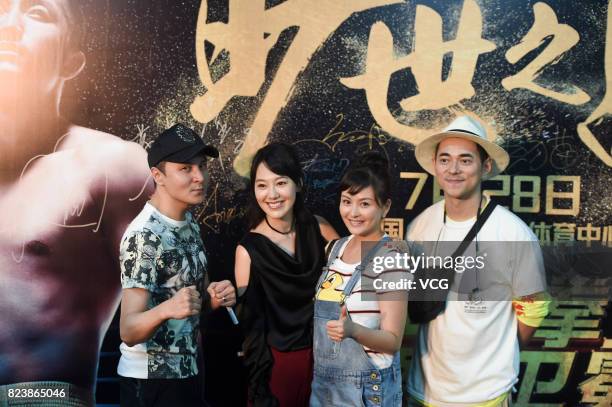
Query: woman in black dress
278,263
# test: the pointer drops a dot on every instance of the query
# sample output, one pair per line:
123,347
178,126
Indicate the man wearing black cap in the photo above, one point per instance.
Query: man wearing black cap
162,274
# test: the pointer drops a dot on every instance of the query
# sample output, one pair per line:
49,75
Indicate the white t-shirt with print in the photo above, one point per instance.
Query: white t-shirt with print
162,255
465,357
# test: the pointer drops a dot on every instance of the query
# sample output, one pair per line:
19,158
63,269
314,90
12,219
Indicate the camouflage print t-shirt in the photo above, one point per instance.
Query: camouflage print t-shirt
162,255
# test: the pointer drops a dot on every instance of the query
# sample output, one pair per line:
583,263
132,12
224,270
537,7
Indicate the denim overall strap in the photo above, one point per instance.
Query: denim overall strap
336,250
361,266
332,256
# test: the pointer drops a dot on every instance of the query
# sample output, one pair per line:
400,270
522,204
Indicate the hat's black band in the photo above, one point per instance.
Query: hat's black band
463,131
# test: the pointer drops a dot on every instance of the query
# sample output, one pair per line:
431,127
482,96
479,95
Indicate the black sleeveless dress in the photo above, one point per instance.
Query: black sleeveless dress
277,307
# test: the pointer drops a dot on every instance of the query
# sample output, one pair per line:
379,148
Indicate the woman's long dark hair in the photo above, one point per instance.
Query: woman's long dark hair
281,159
370,169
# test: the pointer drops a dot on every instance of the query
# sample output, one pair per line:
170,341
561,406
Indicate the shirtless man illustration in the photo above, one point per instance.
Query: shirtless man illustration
66,195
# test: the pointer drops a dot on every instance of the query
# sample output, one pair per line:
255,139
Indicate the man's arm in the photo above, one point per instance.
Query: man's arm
530,311
525,332
138,324
530,300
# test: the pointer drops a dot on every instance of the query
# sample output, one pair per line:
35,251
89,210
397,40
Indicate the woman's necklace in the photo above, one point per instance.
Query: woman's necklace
278,231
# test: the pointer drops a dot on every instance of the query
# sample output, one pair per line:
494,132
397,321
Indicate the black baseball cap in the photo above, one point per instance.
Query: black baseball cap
178,144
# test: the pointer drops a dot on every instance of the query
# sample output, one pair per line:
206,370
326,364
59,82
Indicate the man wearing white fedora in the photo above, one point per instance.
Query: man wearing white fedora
468,352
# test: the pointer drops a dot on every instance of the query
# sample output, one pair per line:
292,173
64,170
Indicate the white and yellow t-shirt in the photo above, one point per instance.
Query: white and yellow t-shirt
464,357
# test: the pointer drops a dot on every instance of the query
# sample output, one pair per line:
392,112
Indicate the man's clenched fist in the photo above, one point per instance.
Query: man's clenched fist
185,303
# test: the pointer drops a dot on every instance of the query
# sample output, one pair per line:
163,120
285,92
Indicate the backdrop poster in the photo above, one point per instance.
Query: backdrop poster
86,85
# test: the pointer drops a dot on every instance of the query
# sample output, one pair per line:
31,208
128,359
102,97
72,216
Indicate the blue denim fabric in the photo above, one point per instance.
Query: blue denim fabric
344,375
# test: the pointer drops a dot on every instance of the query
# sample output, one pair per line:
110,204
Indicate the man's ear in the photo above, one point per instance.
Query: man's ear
157,175
74,62
487,166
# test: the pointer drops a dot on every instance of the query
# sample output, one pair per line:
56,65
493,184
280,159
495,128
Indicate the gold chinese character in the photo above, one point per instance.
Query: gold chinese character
588,233
604,108
563,37
564,232
425,62
530,385
394,227
542,231
557,200
606,235
562,323
597,390
248,36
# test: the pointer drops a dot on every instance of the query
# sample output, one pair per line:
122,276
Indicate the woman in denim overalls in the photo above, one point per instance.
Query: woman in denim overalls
357,341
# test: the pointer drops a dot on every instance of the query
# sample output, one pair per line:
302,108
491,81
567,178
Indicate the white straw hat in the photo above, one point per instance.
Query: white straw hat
467,128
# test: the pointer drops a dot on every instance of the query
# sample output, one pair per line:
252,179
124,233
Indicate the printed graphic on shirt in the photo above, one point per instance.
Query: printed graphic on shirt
361,311
329,290
475,303
164,258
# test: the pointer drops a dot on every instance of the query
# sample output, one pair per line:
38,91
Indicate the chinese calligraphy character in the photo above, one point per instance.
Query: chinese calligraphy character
564,232
394,227
597,390
588,233
530,383
604,108
563,36
426,64
606,235
566,325
248,36
542,231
